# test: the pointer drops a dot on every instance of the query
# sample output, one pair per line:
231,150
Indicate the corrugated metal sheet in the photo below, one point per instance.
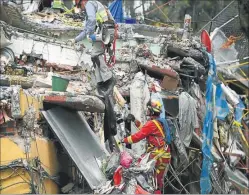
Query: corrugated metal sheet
80,142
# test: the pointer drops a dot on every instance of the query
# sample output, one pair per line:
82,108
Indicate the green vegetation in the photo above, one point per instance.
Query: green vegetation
173,13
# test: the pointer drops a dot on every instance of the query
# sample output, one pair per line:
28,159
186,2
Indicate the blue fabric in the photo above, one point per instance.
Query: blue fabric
116,9
221,103
207,131
166,129
93,37
239,111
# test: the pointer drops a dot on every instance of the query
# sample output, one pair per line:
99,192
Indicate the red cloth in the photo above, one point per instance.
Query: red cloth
117,177
140,190
150,132
157,192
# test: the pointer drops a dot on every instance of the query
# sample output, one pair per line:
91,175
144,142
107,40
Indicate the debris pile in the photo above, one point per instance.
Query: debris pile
49,17
207,118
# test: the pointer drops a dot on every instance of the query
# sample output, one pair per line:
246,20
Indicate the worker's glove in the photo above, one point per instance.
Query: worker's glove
130,118
72,42
137,123
92,37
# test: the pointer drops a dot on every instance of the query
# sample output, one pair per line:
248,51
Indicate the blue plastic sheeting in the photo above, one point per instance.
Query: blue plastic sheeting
207,131
221,103
239,111
116,9
166,129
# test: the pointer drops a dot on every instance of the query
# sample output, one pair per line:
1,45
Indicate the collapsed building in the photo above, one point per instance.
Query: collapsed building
56,142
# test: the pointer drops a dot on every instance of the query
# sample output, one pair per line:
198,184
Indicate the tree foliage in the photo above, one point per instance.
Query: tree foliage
173,13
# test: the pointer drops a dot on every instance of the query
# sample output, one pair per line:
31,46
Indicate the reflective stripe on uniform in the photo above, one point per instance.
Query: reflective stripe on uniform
161,154
162,167
101,14
159,127
129,140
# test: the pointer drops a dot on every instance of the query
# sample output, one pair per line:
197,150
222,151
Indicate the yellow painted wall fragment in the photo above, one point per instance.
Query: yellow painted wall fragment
50,187
46,151
9,151
17,181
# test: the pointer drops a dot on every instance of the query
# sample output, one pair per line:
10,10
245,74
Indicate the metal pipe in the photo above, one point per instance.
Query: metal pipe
215,16
229,21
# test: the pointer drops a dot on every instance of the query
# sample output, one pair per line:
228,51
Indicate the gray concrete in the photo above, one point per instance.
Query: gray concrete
80,142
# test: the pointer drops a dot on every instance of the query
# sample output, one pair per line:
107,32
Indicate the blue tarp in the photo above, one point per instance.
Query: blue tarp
207,131
239,111
221,103
116,9
166,129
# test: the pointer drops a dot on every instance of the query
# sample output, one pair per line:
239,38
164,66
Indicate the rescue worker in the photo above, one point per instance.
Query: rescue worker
156,144
98,17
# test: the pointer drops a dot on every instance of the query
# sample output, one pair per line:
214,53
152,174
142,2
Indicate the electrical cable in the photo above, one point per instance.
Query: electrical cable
2,188
34,130
26,152
39,166
19,175
9,176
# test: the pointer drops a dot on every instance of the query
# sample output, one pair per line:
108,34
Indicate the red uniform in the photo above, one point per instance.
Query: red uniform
154,134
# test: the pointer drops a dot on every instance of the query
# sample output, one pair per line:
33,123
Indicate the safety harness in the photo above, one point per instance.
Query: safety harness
112,53
102,17
159,153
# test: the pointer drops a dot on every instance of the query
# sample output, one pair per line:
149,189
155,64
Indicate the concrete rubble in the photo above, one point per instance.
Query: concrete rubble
69,125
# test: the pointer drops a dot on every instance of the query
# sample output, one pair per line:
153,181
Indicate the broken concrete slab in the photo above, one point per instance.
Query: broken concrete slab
80,103
79,141
44,83
25,82
4,40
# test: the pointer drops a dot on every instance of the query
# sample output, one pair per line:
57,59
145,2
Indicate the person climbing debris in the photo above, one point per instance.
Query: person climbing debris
154,132
98,19
100,28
